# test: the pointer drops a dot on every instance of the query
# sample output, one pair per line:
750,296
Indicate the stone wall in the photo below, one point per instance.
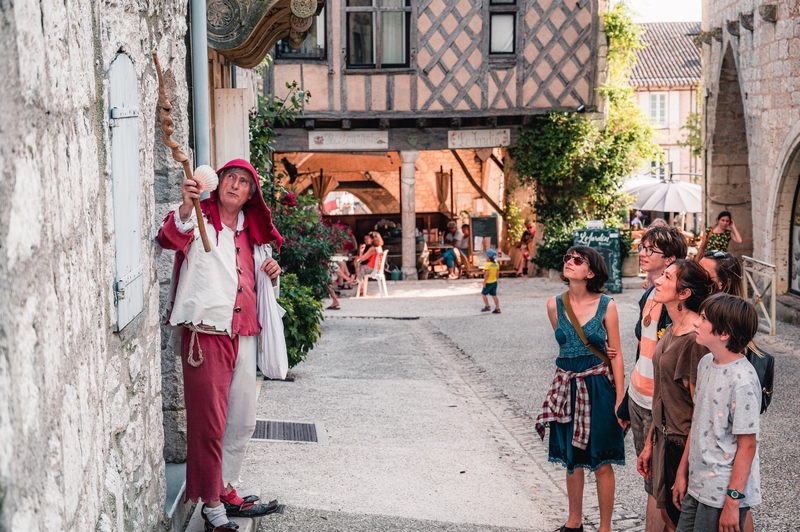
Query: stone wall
81,439
763,66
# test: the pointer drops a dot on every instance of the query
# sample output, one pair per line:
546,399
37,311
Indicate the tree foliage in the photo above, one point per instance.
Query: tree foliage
309,241
693,128
577,166
301,321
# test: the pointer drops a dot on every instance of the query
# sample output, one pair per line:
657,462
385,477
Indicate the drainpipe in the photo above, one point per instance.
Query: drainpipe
202,125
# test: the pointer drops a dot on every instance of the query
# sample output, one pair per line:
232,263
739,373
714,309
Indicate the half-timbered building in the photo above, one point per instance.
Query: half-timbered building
405,91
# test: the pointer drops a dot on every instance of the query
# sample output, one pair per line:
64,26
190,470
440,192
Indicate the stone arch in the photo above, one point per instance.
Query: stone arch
781,208
376,198
728,171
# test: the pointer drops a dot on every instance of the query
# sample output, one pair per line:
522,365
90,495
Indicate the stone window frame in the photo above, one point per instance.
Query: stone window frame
377,9
499,8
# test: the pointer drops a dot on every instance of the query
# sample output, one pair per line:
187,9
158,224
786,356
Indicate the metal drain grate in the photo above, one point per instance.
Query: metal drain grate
285,431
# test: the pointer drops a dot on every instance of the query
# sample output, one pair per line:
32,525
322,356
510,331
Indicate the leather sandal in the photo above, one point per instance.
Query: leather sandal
208,526
250,509
565,528
230,526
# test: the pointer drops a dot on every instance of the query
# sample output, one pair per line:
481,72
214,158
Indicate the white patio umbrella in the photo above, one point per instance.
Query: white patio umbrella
665,195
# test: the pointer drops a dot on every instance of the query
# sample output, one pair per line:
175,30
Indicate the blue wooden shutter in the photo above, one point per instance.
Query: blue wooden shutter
126,183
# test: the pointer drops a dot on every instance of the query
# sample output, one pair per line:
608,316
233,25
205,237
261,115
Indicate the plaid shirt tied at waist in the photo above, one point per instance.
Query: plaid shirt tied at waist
557,406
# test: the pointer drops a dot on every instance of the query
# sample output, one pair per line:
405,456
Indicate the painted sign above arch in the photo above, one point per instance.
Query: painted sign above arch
348,140
478,138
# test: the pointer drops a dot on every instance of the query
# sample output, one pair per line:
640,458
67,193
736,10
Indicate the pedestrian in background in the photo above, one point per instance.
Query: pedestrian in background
718,237
682,289
490,282
581,405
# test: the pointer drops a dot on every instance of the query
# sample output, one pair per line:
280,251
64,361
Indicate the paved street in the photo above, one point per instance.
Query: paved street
427,408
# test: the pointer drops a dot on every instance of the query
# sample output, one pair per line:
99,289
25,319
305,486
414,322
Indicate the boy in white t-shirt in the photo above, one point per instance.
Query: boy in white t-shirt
718,478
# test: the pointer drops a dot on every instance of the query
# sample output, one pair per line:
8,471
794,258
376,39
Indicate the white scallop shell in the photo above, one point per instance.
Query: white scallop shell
206,178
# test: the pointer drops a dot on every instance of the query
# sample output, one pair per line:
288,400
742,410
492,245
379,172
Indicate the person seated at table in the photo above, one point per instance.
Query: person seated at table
522,251
457,239
369,251
342,276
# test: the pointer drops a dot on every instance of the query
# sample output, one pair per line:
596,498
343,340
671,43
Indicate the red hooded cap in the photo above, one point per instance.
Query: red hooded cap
257,216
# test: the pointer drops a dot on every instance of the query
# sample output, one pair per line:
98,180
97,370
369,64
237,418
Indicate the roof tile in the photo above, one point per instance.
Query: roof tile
670,57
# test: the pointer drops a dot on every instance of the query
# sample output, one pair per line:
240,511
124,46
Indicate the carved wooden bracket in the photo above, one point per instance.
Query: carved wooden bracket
768,12
733,27
746,20
244,31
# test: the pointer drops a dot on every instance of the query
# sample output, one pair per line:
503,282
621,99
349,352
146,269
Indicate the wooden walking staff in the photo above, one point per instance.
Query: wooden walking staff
166,127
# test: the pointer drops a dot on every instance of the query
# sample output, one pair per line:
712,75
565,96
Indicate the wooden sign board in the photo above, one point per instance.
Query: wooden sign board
478,138
348,140
483,232
606,242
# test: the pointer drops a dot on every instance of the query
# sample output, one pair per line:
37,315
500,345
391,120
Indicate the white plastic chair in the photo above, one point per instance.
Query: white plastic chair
378,274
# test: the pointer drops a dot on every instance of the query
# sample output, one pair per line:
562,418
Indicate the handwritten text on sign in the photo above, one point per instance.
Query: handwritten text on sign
585,238
348,140
478,138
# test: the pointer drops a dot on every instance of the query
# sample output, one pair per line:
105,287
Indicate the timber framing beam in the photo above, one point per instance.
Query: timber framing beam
482,192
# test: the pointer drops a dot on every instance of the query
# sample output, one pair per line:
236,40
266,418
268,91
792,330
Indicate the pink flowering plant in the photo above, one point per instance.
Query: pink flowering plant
310,241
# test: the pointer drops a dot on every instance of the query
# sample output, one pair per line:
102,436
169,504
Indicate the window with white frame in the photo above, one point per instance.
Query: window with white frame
313,47
378,33
658,108
502,26
658,169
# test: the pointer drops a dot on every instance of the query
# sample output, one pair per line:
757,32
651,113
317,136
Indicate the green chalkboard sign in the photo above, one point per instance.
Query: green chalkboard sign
485,228
606,242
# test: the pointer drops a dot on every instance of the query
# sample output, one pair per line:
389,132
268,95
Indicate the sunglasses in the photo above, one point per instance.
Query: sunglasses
577,260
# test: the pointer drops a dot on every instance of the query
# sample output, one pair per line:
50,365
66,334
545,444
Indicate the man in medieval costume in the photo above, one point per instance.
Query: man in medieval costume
213,302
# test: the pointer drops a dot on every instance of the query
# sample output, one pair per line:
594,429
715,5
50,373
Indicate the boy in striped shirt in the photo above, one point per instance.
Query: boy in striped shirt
660,247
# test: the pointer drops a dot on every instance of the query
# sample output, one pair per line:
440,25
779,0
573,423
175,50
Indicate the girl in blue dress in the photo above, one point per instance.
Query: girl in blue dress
580,407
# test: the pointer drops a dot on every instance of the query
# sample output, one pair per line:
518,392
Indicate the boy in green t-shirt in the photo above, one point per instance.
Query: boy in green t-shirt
490,282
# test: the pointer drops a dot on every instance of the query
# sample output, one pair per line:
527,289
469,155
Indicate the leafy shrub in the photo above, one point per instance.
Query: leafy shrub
301,321
309,244
557,240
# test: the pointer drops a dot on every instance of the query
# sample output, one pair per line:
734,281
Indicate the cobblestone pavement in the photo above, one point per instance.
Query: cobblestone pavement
412,387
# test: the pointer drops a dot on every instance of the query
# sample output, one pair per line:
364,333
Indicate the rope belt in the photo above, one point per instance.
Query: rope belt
205,329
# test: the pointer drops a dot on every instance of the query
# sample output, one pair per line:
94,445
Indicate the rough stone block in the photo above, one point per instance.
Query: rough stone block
175,436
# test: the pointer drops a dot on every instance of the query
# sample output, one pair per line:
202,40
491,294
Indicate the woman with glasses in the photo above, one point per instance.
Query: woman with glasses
580,407
681,289
718,237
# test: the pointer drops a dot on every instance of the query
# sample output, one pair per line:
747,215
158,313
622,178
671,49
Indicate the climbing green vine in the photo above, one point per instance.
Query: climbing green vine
575,165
